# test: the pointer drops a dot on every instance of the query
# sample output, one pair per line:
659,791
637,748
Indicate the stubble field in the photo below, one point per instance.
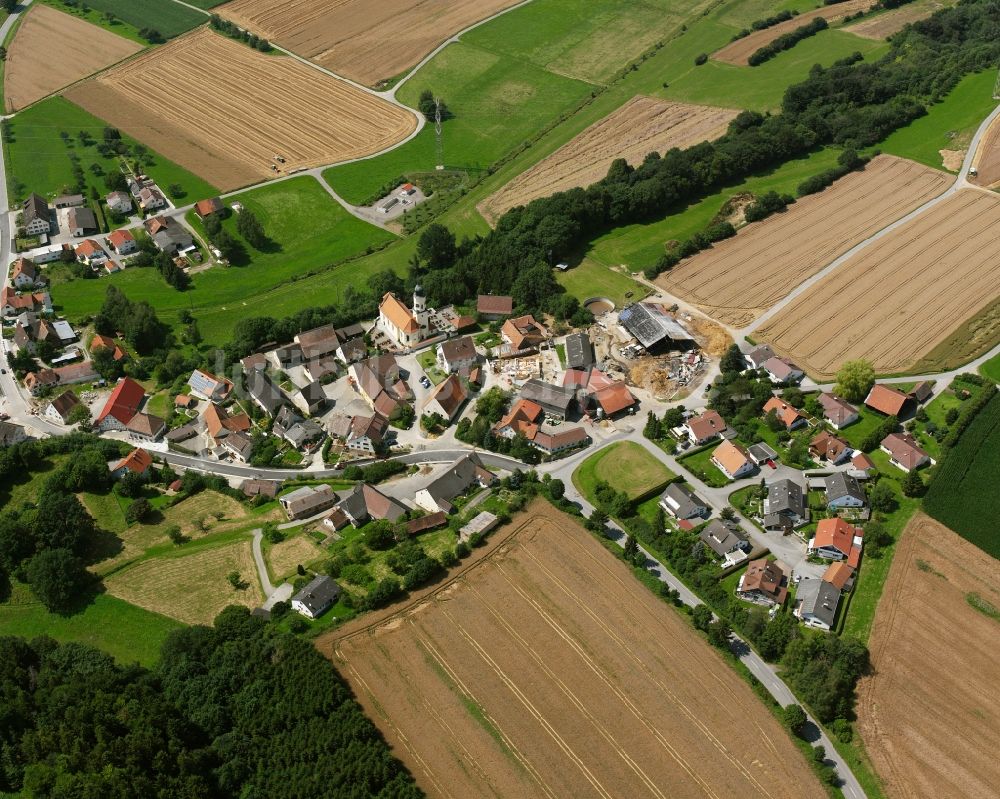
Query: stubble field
366,42
987,159
181,100
190,588
739,51
51,50
546,670
738,279
641,126
900,297
930,711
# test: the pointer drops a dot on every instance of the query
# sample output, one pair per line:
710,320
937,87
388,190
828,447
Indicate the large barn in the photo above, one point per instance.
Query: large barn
654,327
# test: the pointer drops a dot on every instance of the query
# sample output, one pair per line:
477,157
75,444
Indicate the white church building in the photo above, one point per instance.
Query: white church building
405,327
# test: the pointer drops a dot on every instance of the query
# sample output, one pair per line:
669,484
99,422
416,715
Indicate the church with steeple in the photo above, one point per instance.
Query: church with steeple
405,327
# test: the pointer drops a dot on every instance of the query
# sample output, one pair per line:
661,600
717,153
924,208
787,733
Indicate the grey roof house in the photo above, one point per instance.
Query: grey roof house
816,602
319,595
460,476
785,506
682,503
844,491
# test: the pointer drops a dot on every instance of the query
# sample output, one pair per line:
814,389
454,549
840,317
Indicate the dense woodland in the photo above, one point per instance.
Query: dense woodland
234,710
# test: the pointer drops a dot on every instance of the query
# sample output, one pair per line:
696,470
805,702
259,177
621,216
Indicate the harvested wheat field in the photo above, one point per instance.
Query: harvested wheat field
987,158
283,557
51,50
641,126
224,110
740,278
739,52
900,297
930,712
364,41
547,670
884,25
190,588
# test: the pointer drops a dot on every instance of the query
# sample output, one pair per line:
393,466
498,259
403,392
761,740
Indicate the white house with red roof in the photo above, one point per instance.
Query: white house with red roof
122,405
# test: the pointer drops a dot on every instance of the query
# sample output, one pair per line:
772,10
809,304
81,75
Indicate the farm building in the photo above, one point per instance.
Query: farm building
318,342
886,400
654,327
146,427
480,524
11,434
308,501
122,405
579,351
267,396
554,400
319,595
68,201
35,215
81,222
424,523
60,408
552,443
494,307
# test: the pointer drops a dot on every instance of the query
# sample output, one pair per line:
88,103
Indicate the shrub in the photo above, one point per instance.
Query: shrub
700,59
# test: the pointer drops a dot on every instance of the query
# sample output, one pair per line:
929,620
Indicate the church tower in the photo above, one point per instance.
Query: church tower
420,307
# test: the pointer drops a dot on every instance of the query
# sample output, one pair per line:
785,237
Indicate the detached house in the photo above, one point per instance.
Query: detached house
756,358
704,428
380,381
782,370
35,215
838,413
785,506
362,434
682,503
726,540
831,449
320,594
835,539
24,274
122,242
138,461
60,408
457,354
447,398
122,405
844,491
816,603
764,582
460,476
119,202
523,333
732,460
904,452
90,252
205,208
787,415
207,386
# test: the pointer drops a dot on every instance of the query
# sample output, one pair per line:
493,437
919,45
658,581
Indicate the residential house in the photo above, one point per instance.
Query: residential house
765,582
364,502
489,306
782,370
816,603
457,354
380,381
843,491
68,201
35,215
12,303
254,363
146,427
318,342
838,413
554,400
37,382
267,396
904,452
787,415
90,252
138,462
523,333
321,370
440,494
836,539
654,326
682,503
119,202
308,501
239,445
579,351
524,418
566,438
362,434
124,403
24,274
402,326
862,467
83,372
219,424
288,356
726,540
122,242
705,427
756,358
81,222
319,595
829,448
886,400
447,398
352,351
11,434
105,342
785,506
840,575
169,236
732,460
299,432
207,386
61,407
311,398
151,199
205,208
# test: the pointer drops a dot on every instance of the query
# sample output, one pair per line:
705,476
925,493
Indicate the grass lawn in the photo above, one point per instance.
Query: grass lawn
626,466
638,246
591,279
168,18
496,102
38,159
107,509
855,433
310,232
991,369
428,362
125,631
949,125
87,12
701,466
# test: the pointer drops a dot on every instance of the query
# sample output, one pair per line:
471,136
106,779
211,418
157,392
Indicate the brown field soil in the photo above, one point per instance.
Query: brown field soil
987,158
641,126
930,712
364,41
547,670
738,279
223,110
739,51
884,25
899,298
190,588
282,558
51,50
